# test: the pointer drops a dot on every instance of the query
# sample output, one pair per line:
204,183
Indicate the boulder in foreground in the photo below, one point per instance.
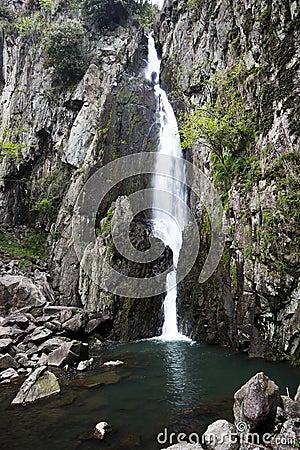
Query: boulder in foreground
256,402
40,384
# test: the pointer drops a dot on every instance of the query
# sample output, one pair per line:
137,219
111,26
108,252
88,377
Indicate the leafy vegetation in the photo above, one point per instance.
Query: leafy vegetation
11,144
107,224
65,51
31,245
111,13
225,125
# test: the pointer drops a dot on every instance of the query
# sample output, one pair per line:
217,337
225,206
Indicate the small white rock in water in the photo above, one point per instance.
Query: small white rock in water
113,363
100,430
83,365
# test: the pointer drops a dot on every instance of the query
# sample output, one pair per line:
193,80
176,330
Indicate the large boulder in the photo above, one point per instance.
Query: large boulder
18,292
40,384
67,353
221,435
52,344
255,404
75,324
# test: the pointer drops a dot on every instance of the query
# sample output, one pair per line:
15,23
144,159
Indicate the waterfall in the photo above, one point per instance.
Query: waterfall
168,213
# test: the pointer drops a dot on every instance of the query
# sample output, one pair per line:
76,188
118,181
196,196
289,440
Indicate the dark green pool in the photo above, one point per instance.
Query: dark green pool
173,385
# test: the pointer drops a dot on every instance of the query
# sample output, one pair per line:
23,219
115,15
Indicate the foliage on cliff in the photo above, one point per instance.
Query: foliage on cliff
226,124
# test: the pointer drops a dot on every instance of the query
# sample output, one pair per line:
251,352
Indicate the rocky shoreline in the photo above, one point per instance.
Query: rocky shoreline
41,335
263,420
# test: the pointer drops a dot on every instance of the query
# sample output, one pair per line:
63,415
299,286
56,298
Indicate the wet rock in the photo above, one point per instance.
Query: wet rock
40,384
4,343
221,435
100,430
7,361
44,319
256,402
31,348
65,315
83,365
67,353
54,325
9,375
113,363
75,324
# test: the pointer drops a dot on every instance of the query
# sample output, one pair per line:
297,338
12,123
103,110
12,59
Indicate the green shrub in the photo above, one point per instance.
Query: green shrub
225,125
111,13
30,245
65,50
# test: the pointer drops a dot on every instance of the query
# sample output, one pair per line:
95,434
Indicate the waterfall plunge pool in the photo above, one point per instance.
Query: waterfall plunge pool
175,385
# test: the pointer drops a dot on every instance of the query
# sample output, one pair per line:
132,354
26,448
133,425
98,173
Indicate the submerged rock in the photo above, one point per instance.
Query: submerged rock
256,402
97,380
40,384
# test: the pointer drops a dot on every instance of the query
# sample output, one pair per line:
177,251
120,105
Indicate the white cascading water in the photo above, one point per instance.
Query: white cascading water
170,217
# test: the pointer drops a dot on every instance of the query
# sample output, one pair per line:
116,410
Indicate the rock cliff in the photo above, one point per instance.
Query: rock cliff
73,99
221,58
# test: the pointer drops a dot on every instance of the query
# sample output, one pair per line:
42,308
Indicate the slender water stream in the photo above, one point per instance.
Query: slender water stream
169,217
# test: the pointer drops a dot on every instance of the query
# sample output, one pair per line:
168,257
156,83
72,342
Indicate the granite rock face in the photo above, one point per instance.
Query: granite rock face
252,300
55,133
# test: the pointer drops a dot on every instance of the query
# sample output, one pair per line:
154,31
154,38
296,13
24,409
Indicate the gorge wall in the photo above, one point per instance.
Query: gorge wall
60,122
245,56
